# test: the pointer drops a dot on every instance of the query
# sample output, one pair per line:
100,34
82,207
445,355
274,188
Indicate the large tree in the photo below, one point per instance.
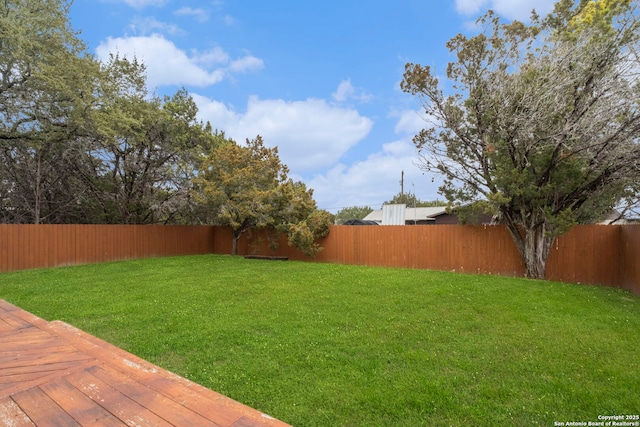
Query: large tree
148,149
46,91
82,141
539,122
246,187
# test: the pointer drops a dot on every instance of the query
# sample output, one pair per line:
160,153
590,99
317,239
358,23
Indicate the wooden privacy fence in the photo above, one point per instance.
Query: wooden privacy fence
27,246
590,254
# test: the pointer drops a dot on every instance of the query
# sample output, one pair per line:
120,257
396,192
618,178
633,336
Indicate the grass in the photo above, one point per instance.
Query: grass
321,344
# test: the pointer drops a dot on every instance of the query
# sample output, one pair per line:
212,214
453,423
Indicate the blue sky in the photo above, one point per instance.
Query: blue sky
318,79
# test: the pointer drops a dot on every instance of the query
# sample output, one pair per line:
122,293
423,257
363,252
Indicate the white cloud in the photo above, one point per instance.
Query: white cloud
512,9
344,91
372,181
246,63
168,65
199,14
217,55
376,179
470,7
347,91
217,113
313,135
143,26
409,122
310,134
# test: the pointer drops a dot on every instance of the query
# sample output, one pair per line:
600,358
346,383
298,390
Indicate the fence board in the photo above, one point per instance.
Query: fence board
630,258
586,254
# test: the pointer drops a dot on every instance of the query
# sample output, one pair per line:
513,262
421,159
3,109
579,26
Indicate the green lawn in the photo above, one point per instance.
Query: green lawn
335,345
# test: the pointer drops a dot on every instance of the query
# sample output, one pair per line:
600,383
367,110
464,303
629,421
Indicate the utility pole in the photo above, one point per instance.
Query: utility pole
402,184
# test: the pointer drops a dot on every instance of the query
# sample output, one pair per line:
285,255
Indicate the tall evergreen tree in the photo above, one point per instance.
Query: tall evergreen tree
540,122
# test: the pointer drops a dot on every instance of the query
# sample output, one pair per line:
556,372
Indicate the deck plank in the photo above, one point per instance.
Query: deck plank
217,409
159,404
78,405
12,415
13,323
18,382
126,409
43,411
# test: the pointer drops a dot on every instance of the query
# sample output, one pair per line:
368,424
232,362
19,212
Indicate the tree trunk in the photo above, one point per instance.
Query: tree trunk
234,244
536,252
37,190
534,245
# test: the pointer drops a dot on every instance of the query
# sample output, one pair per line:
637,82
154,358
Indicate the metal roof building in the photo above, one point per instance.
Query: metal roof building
410,215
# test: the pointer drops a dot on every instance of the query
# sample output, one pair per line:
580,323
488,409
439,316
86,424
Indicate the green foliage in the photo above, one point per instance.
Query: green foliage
247,187
45,94
298,217
149,150
318,344
541,121
82,141
240,184
570,20
353,212
412,201
306,233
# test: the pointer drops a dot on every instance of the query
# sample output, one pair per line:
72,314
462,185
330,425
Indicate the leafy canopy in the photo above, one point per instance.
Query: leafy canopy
353,212
82,141
538,122
412,201
247,187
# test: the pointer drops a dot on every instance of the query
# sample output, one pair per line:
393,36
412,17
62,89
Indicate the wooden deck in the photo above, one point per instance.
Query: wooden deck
52,374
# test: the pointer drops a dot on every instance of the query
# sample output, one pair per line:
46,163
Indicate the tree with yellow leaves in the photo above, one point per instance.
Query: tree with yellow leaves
246,187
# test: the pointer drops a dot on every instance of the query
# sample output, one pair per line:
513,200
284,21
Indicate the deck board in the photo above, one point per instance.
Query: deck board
52,374
81,407
43,411
9,410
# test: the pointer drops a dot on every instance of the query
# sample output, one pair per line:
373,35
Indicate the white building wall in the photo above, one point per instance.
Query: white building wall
393,214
